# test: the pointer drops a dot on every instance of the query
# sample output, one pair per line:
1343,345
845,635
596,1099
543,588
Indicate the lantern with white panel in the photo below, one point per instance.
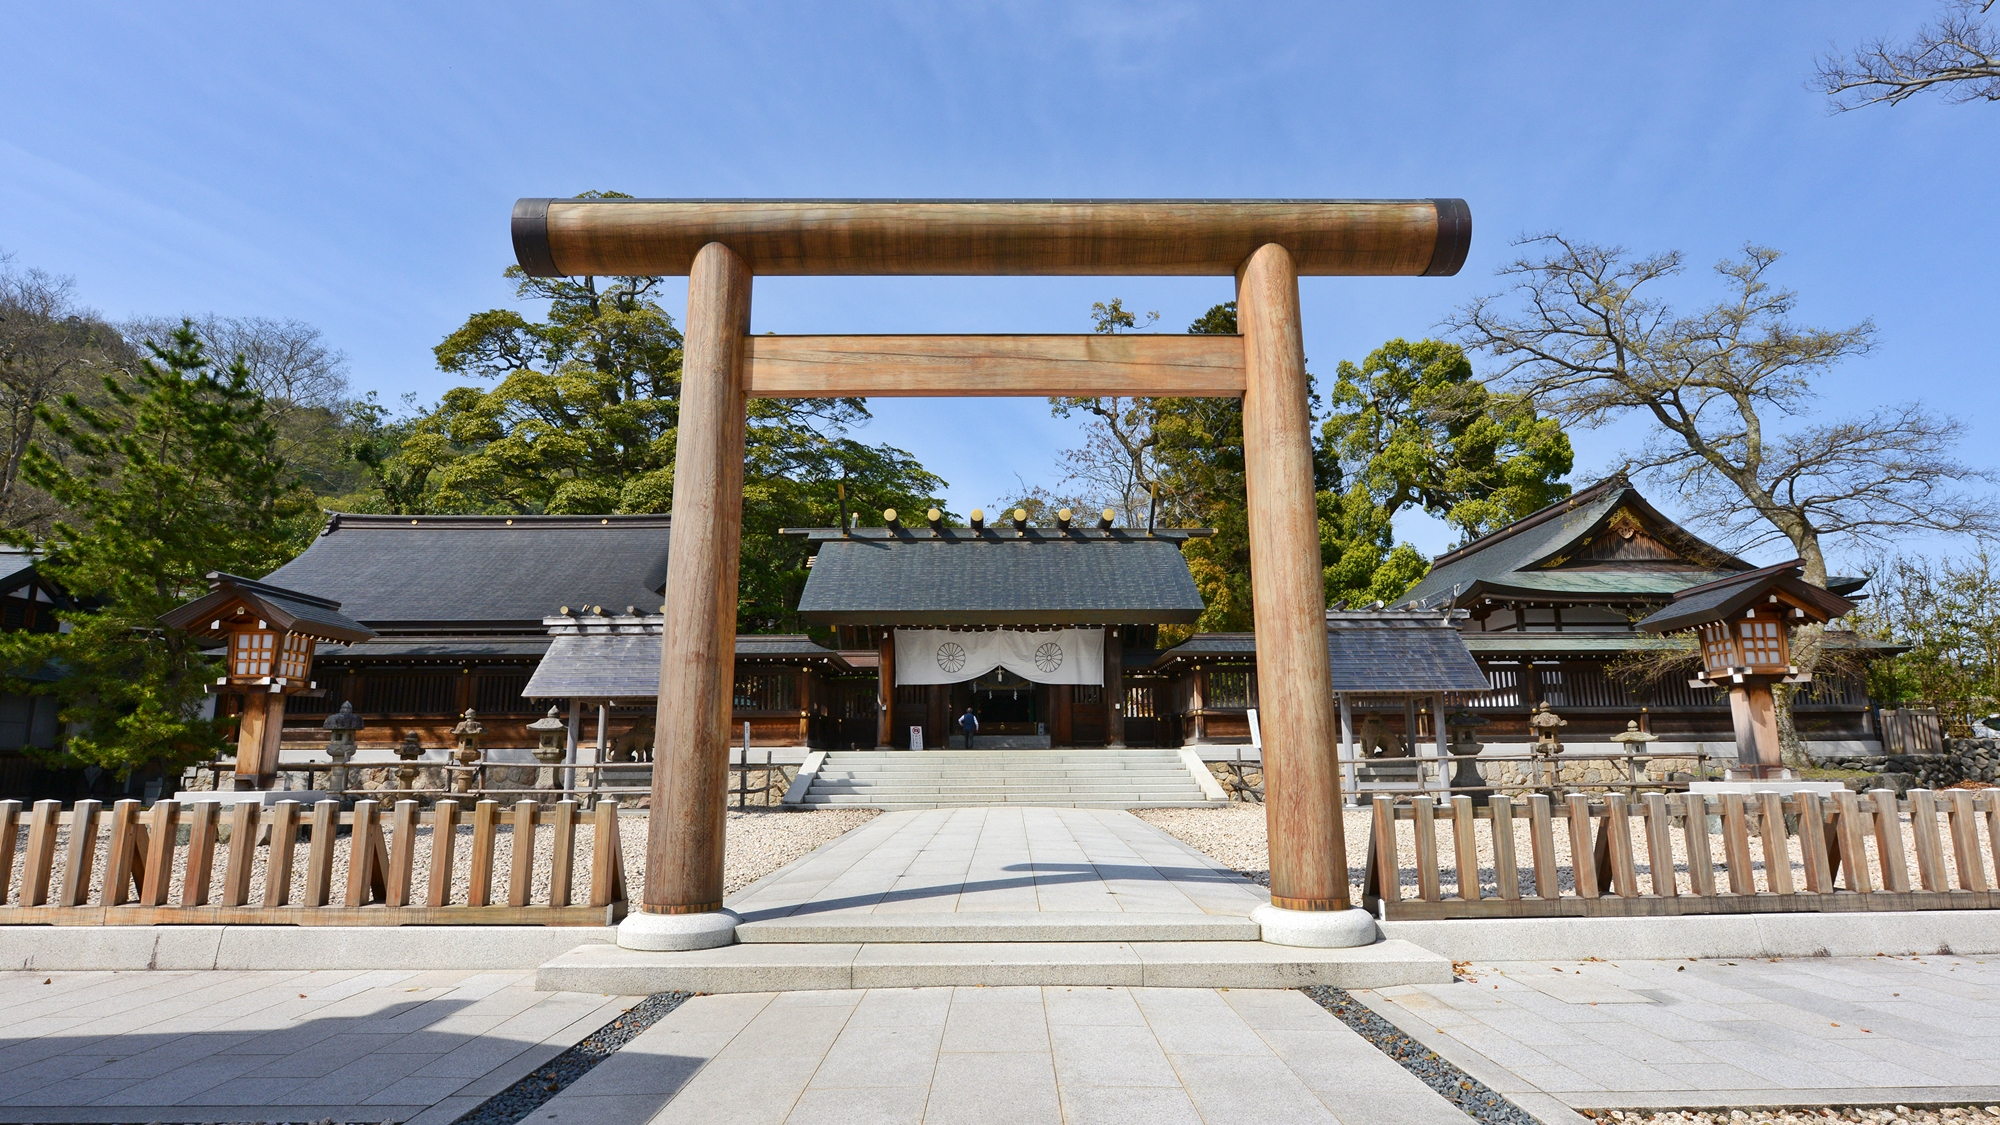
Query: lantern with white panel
1744,625
269,634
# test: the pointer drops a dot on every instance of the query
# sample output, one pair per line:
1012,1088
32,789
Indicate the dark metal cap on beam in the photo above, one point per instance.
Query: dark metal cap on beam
531,238
1454,237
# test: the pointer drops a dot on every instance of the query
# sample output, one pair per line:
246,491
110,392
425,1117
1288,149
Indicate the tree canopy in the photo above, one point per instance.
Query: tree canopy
1410,427
175,474
578,412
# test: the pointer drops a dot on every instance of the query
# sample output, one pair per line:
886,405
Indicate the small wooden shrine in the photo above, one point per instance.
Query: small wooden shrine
270,633
1744,624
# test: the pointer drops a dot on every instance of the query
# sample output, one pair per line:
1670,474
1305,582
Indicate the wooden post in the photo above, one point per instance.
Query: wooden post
885,692
698,651
1301,781
1755,715
82,852
1114,688
258,733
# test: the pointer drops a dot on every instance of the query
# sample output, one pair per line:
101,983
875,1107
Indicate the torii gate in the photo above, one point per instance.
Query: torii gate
721,244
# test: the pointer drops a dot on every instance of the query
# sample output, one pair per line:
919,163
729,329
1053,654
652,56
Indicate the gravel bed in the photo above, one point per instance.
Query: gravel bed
759,842
1234,835
1821,1115
548,1080
1477,1099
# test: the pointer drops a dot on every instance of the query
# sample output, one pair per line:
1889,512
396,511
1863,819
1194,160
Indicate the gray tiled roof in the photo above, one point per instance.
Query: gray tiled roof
1390,651
432,573
292,610
441,647
1725,597
1000,580
1209,646
1399,652
627,665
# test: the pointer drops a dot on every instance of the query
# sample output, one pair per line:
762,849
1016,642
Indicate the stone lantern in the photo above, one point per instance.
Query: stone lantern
1465,775
1743,624
1543,724
409,750
1634,740
340,747
549,749
467,733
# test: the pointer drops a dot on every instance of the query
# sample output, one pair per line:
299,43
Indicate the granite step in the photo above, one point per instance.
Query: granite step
992,926
906,779
773,967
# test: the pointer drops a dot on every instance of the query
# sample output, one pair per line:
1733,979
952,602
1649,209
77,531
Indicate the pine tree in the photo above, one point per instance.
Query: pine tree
174,474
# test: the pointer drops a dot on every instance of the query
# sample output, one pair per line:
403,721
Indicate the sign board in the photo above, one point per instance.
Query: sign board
916,738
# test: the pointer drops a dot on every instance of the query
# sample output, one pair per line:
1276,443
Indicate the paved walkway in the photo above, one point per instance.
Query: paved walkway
1018,1056
1805,1031
220,1046
999,861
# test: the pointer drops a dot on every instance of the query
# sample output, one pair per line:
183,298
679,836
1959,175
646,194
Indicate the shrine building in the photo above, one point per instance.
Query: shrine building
1069,634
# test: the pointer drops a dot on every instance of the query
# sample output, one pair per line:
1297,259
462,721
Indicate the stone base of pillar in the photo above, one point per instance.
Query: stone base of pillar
1310,929
673,932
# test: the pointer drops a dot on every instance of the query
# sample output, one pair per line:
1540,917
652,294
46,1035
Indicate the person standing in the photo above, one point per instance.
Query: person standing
969,723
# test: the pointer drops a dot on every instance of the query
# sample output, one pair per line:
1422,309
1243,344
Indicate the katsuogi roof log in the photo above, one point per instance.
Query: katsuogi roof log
1050,237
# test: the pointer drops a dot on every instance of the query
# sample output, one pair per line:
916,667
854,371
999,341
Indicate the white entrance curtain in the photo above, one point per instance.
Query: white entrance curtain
1056,656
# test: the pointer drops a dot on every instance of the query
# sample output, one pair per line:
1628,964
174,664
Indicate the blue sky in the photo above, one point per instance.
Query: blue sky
353,165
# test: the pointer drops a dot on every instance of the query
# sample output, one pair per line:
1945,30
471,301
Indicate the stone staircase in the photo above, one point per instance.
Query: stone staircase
930,779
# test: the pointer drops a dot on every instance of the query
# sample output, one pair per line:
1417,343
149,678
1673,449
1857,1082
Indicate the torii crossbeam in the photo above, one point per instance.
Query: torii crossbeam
721,244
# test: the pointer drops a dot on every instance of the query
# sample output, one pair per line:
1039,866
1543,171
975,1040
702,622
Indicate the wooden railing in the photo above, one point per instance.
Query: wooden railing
1832,869
133,866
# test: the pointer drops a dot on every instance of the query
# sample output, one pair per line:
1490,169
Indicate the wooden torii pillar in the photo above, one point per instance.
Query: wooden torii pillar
720,244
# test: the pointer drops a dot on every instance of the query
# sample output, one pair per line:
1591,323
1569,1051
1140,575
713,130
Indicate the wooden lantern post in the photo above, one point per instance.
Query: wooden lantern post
270,634
719,244
1743,624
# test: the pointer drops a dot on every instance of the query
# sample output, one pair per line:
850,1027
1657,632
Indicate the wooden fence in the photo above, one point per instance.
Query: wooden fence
146,849
1912,730
1833,870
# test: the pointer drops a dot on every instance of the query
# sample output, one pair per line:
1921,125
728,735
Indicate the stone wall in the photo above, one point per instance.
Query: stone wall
1584,773
1962,759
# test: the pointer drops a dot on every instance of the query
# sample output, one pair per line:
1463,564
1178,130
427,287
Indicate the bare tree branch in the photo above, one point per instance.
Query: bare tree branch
50,345
1958,54
1588,342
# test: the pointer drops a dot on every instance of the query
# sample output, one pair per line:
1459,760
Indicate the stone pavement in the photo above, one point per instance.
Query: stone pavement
987,874
1801,1031
1018,1056
225,1046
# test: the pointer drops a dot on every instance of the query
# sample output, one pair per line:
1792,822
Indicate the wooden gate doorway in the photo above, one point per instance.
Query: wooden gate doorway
1266,245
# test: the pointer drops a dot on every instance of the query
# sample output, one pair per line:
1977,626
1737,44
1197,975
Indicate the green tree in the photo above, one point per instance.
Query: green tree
175,475
579,413
1199,451
1409,427
580,419
1412,426
799,465
1947,610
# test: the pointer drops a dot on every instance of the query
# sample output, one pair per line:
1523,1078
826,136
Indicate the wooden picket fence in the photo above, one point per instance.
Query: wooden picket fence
143,852
1605,879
